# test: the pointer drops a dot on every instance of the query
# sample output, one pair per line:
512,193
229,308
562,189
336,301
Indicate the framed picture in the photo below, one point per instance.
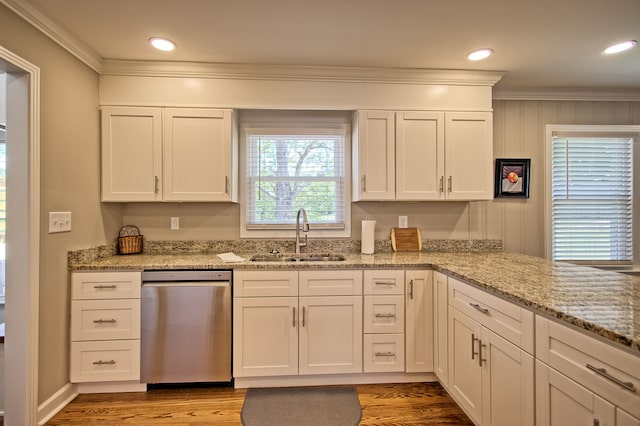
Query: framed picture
512,177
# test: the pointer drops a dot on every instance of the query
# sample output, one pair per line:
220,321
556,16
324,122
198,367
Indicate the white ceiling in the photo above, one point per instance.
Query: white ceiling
542,45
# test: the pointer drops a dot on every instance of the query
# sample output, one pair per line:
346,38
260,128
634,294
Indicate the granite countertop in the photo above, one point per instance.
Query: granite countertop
604,303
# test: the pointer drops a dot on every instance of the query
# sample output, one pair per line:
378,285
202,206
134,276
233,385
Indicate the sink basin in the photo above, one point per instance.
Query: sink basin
304,257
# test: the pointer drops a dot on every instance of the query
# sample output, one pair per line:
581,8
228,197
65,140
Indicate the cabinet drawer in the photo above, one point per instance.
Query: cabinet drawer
330,283
105,285
384,314
384,282
383,352
265,283
576,355
108,361
105,319
504,318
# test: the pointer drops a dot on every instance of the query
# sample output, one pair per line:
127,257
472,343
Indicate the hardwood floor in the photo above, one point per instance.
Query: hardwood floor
388,404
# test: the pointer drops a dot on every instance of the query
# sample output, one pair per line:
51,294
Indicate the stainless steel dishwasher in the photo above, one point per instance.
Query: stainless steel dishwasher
186,327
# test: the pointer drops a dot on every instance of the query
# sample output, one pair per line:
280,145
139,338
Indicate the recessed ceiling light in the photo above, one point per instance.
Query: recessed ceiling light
480,54
620,47
162,44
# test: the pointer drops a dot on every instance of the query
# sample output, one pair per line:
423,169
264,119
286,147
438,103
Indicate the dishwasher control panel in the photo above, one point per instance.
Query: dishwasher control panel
193,275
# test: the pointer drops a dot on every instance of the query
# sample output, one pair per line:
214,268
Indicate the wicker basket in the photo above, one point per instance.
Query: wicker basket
129,240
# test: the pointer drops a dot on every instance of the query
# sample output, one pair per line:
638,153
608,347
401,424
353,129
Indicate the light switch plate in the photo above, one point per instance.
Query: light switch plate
175,223
403,221
59,222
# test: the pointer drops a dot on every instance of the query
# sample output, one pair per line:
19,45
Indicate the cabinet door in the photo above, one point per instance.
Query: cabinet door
198,154
265,336
465,375
507,382
419,321
330,334
440,329
419,155
374,156
469,155
131,154
625,419
560,401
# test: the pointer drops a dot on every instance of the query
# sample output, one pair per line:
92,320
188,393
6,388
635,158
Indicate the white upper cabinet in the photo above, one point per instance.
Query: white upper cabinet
374,156
198,155
131,154
468,156
172,154
419,155
422,156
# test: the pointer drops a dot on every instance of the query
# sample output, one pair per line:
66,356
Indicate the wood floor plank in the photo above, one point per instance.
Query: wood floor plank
383,404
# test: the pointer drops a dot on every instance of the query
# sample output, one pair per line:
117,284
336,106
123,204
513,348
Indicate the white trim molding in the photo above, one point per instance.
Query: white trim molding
22,311
56,33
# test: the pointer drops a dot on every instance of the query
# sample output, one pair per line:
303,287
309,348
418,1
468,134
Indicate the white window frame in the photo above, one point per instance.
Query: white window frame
247,129
631,131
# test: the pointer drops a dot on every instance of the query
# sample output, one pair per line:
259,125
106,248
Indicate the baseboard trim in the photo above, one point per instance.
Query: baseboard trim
332,379
56,402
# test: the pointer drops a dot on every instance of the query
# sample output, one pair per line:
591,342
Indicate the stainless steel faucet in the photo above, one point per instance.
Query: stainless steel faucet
305,228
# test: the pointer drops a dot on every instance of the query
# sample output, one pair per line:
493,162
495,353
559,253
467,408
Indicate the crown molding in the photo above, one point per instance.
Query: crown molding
604,95
300,72
56,33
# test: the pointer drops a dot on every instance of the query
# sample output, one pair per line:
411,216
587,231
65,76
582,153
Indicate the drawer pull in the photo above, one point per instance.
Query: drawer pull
411,289
596,422
385,315
479,308
602,372
385,354
101,362
385,283
304,314
104,321
294,316
102,286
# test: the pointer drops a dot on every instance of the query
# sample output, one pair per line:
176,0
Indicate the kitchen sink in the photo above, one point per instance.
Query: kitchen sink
304,257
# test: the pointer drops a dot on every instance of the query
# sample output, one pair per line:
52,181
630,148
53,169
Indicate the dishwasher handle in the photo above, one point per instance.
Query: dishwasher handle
188,284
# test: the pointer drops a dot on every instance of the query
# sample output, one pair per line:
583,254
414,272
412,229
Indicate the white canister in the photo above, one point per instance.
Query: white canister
368,236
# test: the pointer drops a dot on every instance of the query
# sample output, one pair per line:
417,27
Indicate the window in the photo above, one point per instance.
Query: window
591,194
293,167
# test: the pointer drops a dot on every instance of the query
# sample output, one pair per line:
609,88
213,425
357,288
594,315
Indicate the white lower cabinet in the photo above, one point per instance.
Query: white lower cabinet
594,380
330,335
419,321
105,331
289,335
384,317
490,377
265,336
440,328
561,401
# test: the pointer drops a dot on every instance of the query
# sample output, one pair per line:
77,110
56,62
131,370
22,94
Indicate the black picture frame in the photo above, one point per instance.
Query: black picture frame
512,178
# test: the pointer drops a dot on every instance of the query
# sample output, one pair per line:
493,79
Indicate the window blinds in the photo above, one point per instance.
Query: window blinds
287,171
592,196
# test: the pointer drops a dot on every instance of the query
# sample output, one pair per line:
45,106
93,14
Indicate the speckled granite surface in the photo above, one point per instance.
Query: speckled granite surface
604,303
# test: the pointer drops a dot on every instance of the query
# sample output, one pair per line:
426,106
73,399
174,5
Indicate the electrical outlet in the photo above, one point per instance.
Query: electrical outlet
175,223
59,222
403,221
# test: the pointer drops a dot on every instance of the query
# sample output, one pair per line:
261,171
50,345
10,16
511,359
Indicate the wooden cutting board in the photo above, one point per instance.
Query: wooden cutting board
406,239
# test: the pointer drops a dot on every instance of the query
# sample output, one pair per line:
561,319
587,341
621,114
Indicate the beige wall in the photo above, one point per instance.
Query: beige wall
69,157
